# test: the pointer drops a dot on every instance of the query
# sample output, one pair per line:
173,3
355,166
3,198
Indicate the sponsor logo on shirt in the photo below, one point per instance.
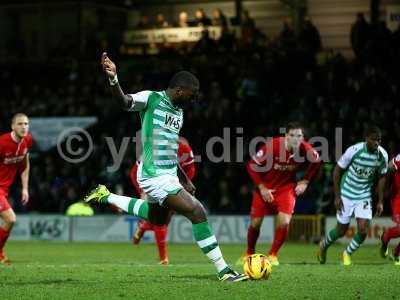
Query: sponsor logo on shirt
173,123
364,172
284,167
13,160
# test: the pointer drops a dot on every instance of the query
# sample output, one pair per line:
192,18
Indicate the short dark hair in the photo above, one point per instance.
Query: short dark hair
294,125
184,79
372,129
17,115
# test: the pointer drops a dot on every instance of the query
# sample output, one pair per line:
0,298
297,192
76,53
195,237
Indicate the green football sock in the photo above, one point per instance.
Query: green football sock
330,238
133,206
355,243
208,244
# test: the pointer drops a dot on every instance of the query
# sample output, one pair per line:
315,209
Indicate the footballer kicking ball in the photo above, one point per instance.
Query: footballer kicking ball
257,266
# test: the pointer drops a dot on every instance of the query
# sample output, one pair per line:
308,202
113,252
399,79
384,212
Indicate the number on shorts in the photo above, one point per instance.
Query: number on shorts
366,203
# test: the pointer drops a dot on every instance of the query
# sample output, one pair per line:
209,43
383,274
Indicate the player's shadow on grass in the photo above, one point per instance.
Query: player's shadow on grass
335,263
302,263
46,282
194,277
373,263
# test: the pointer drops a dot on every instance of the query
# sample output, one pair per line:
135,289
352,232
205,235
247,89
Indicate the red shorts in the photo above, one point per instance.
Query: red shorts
396,210
4,205
284,201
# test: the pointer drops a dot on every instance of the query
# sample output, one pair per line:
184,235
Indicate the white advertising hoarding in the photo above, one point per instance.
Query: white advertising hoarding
41,227
227,229
169,35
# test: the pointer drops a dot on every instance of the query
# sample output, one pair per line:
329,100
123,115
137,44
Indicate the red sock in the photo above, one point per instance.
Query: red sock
4,234
144,226
252,237
391,233
279,238
160,233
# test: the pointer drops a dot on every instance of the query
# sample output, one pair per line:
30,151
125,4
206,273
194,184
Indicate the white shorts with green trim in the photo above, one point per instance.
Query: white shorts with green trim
158,188
360,209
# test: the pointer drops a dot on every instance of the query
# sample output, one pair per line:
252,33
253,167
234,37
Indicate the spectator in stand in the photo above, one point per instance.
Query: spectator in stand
201,18
205,44
248,27
360,35
144,22
219,18
287,35
310,37
161,22
183,19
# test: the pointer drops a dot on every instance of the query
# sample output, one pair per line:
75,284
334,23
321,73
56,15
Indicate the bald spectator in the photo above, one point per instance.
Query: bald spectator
183,20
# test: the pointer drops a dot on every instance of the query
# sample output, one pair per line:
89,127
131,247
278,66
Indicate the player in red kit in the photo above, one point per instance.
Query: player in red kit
14,159
273,170
186,165
393,232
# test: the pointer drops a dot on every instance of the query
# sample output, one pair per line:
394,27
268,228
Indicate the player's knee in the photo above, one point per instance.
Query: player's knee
341,231
362,231
195,212
256,223
9,221
198,213
285,224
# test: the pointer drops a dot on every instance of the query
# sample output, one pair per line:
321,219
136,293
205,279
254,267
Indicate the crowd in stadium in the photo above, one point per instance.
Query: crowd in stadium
256,83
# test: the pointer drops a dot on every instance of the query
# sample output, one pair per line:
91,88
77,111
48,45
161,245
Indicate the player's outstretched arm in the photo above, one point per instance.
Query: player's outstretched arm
381,194
111,71
25,181
337,175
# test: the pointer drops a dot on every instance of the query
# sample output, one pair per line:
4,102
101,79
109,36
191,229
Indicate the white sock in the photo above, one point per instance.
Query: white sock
215,256
120,201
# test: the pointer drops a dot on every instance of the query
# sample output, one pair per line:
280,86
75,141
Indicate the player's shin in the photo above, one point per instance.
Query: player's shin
391,233
160,233
396,251
133,206
4,234
208,244
279,238
252,237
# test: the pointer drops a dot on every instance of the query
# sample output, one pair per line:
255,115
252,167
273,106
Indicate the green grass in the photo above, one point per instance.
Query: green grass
46,270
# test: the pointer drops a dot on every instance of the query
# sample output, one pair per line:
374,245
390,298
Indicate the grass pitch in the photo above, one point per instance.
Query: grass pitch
48,270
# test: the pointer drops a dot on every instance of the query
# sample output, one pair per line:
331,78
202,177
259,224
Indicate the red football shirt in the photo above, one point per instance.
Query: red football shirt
12,158
396,178
185,158
276,167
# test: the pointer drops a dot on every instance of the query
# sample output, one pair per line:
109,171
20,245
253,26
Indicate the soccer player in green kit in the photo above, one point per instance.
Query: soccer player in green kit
162,118
358,170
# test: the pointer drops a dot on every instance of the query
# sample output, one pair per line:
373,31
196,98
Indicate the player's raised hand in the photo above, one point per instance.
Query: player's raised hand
379,209
266,193
339,203
24,196
301,187
108,66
